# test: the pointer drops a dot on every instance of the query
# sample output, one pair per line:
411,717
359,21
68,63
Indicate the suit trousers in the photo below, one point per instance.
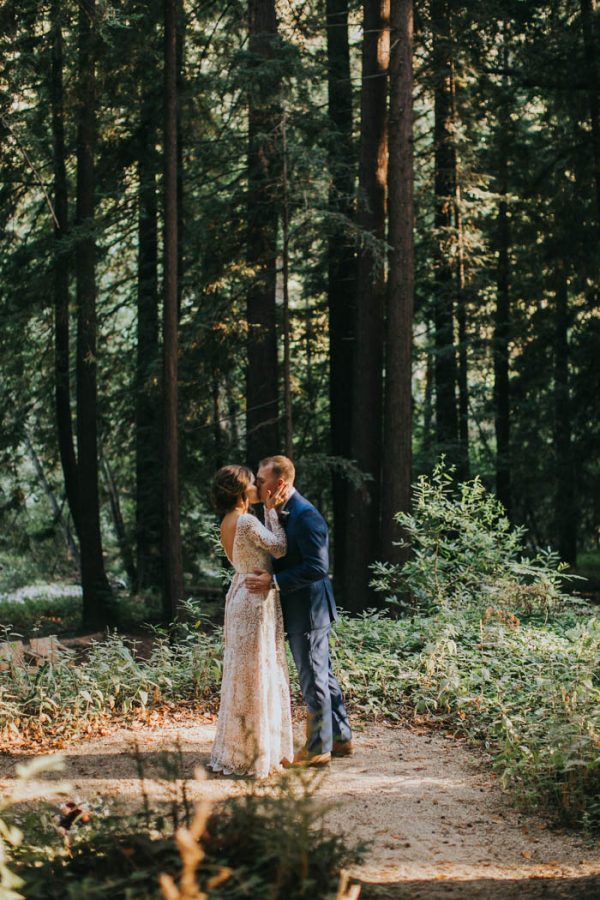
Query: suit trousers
327,716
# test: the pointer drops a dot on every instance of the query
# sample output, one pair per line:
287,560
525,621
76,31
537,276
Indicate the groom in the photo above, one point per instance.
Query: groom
302,578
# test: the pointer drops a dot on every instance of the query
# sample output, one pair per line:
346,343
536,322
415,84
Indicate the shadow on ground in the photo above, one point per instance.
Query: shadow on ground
586,888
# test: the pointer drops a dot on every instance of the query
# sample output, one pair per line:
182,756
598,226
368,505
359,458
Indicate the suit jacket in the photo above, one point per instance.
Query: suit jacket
303,573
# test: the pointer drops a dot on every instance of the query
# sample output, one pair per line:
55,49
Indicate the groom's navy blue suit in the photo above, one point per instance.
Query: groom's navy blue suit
308,610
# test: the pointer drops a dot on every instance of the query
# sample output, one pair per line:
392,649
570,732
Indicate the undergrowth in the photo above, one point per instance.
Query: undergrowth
269,843
487,643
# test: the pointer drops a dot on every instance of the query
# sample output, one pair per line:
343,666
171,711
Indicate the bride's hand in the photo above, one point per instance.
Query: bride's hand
273,501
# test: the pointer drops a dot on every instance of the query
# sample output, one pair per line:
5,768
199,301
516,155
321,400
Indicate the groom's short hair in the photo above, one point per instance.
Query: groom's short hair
281,466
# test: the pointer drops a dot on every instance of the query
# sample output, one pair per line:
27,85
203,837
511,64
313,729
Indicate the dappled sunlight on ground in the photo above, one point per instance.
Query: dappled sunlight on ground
430,809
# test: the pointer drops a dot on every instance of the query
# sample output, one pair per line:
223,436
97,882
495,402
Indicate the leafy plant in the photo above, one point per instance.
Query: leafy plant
464,551
11,837
269,843
69,694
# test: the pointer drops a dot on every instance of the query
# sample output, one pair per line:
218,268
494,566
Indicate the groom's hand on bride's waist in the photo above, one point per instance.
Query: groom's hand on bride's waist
259,582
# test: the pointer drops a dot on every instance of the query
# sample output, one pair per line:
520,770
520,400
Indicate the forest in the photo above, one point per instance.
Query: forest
208,255
364,235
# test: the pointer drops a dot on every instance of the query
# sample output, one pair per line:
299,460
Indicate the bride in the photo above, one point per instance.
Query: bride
254,729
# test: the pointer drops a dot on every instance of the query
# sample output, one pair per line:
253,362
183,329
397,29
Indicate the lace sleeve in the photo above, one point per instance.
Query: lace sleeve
272,538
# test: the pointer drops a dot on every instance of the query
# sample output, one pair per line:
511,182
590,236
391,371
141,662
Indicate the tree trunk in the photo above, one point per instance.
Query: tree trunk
461,308
119,525
428,431
64,422
180,86
96,591
262,416
287,359
367,389
216,417
54,505
446,412
173,568
341,262
566,503
397,442
502,316
232,416
589,21
148,440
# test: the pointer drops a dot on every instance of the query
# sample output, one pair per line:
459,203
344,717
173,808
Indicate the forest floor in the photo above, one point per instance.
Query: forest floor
436,820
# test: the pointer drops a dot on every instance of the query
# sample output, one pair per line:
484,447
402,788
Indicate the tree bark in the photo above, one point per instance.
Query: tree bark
64,422
461,307
363,520
502,315
232,415
54,504
119,525
341,262
172,555
262,410
96,591
397,443
428,430
148,439
589,21
216,421
566,488
446,412
288,445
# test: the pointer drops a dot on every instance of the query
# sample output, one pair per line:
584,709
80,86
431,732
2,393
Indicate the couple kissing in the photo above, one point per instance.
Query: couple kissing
280,587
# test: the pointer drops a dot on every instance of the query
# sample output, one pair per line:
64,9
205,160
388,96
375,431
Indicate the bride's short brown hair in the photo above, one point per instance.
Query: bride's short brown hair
229,486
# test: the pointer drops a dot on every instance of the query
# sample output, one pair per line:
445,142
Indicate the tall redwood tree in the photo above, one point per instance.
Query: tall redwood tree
148,437
262,406
173,570
341,260
397,448
446,371
367,383
96,590
64,422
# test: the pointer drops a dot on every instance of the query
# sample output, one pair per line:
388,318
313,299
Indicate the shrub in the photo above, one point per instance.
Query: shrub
269,843
63,697
498,649
463,551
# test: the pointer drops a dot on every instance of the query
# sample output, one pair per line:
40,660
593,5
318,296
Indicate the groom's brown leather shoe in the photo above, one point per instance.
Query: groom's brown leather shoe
303,759
342,748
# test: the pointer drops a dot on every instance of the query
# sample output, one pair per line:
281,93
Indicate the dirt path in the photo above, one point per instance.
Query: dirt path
437,822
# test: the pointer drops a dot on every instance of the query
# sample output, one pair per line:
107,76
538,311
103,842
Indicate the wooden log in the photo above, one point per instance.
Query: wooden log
11,654
44,649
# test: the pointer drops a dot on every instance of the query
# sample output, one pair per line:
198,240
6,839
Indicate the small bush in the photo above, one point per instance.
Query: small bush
270,843
498,648
63,697
464,552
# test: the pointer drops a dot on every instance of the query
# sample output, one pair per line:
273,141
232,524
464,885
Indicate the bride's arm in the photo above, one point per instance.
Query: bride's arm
272,538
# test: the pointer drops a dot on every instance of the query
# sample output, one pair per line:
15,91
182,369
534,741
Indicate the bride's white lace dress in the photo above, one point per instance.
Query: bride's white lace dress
254,730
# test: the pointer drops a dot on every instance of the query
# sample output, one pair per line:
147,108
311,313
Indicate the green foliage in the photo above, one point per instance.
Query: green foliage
41,615
272,840
110,680
529,693
463,551
277,843
12,837
528,689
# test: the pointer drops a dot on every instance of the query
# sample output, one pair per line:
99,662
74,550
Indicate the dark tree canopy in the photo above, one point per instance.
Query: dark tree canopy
226,226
